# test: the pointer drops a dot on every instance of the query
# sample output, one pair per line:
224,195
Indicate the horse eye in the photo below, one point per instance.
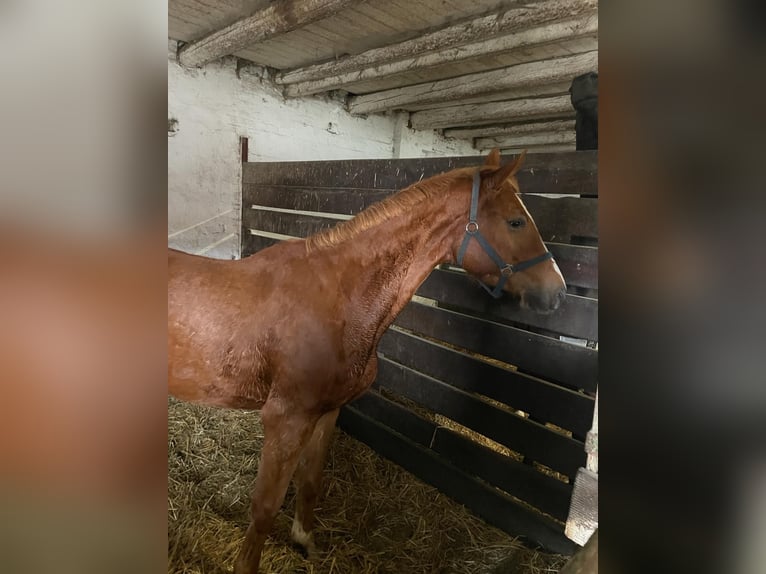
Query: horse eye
516,223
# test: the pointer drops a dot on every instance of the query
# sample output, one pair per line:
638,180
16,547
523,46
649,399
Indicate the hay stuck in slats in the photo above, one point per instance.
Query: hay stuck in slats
373,517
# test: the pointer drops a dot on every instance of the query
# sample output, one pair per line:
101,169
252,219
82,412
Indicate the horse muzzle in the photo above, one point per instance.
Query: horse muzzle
544,301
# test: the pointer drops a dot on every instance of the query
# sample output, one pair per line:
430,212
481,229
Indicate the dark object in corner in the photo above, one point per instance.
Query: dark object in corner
586,559
584,95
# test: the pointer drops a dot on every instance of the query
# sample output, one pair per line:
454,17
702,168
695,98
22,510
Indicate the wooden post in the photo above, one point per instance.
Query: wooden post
243,145
279,17
558,70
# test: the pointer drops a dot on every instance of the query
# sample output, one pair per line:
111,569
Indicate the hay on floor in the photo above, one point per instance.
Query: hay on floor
373,517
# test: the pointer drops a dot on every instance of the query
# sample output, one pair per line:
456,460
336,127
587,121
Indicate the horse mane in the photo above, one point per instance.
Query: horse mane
390,207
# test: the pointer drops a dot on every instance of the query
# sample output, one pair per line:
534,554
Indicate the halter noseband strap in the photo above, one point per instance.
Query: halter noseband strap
472,231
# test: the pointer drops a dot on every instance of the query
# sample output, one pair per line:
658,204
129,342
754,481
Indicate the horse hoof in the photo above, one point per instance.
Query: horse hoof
309,552
304,540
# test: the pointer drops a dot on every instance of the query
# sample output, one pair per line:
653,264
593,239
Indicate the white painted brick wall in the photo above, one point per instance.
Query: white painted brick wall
214,106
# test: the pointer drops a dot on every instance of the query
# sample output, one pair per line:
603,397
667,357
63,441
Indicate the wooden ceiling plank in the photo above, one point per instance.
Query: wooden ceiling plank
456,89
280,17
527,140
540,40
482,36
511,130
549,148
533,91
490,113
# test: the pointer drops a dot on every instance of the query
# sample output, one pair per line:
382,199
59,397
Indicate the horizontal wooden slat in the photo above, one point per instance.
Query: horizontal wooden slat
578,264
542,400
569,365
293,224
565,173
253,243
541,444
398,417
558,219
577,316
520,480
327,199
487,502
562,218
580,272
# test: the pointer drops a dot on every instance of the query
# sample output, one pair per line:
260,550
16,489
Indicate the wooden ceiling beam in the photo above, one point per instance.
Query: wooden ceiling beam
511,130
548,148
556,107
516,29
523,78
538,91
527,140
278,18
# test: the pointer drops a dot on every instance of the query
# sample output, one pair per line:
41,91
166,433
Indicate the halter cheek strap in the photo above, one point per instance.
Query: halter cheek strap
472,231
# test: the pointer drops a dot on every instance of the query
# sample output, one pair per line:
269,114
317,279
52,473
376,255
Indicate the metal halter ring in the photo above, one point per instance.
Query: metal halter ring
471,227
507,271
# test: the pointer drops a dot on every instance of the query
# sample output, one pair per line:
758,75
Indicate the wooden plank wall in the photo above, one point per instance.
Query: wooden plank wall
475,396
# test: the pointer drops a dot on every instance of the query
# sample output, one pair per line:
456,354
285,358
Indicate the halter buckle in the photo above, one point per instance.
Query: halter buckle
471,227
507,271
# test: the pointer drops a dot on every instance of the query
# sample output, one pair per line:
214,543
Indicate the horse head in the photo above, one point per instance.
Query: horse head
502,246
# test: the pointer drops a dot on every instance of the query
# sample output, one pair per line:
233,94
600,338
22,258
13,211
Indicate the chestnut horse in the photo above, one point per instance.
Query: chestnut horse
292,331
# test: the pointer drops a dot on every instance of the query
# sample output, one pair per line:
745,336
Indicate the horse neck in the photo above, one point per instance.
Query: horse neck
389,261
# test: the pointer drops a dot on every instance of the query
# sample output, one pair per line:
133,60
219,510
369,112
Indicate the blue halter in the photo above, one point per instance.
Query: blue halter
472,230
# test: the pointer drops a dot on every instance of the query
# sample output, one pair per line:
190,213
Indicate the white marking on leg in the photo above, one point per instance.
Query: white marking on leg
301,536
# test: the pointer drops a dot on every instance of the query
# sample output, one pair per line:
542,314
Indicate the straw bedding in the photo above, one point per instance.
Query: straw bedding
373,517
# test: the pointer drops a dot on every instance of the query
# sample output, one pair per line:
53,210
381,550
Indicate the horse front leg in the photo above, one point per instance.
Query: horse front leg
285,435
308,480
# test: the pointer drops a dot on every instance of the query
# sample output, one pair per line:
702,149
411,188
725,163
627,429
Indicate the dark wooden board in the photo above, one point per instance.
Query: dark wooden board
578,264
577,316
293,224
539,443
580,271
542,400
563,173
560,219
518,479
487,502
253,243
325,199
557,219
570,365
396,416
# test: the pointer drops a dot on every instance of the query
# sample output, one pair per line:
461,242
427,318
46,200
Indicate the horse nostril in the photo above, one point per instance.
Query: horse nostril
558,299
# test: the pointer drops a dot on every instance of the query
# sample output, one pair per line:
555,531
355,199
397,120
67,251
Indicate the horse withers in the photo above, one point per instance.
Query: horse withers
292,330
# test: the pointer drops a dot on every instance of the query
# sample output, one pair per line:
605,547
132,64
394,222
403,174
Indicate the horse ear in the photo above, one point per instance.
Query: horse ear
519,162
496,178
493,159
